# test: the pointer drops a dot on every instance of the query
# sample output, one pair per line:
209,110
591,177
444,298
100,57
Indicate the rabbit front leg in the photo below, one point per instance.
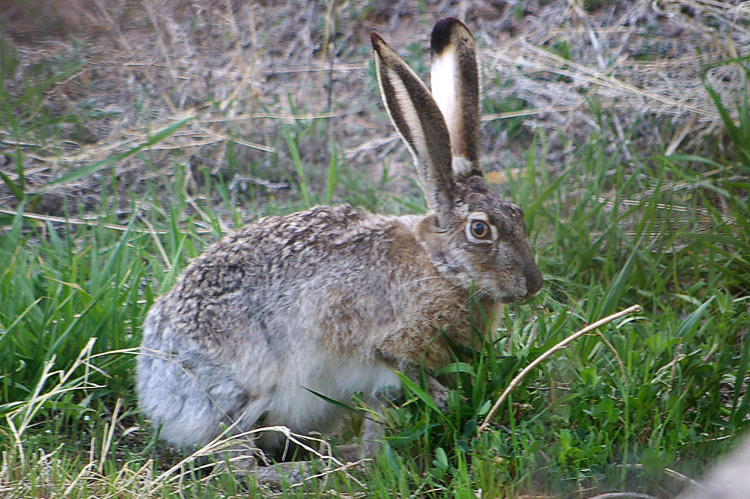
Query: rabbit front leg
372,433
438,393
377,401
435,389
409,354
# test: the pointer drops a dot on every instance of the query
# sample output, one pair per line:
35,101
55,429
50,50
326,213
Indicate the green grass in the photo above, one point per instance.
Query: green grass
664,388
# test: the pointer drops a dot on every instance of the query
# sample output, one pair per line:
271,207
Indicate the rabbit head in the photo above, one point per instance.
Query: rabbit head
474,237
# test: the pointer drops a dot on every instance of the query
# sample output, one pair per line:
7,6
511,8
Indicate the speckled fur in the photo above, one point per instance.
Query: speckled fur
329,300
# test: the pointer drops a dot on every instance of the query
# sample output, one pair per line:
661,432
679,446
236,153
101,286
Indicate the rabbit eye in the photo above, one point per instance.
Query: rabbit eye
479,229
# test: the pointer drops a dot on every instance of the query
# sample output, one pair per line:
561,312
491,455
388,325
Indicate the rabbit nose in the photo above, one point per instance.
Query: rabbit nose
534,279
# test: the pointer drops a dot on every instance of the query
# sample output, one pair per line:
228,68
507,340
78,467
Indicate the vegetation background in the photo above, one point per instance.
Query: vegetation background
132,134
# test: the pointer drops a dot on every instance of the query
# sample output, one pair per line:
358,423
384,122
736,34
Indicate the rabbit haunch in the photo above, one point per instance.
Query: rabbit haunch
333,299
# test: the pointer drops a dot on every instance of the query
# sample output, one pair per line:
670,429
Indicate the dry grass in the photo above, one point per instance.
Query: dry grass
244,67
640,58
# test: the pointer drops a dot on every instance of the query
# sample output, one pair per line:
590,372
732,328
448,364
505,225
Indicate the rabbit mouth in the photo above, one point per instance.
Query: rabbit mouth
509,299
506,289
512,298
508,296
500,296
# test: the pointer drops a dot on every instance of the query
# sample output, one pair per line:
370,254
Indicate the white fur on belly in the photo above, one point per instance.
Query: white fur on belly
335,376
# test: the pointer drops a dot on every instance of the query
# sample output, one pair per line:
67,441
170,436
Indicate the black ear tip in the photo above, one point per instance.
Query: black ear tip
375,39
441,33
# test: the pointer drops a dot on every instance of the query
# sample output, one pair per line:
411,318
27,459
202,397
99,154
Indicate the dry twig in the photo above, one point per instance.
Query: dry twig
545,355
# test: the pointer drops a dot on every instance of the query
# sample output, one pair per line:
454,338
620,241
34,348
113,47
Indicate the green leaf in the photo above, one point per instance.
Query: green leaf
456,368
337,403
302,179
691,320
441,459
17,191
419,392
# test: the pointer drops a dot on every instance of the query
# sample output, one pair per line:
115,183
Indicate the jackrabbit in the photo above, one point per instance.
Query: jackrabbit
333,300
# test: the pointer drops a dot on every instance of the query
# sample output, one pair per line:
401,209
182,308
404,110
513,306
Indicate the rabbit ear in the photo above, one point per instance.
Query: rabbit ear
455,87
418,120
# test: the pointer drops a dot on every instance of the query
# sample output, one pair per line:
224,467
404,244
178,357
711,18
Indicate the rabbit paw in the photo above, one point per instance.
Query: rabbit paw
439,394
